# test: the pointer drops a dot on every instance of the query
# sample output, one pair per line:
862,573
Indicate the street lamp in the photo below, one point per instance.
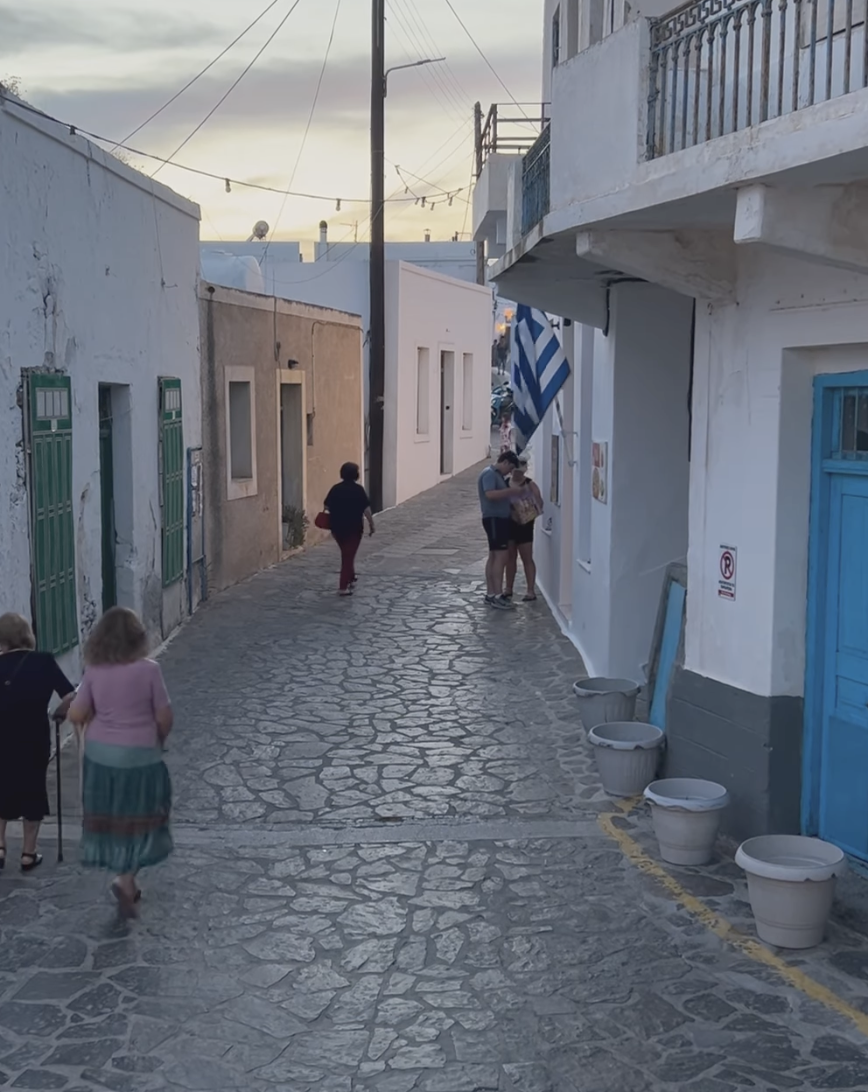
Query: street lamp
401,67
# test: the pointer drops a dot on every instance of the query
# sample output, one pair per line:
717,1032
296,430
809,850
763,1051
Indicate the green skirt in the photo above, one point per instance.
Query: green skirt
126,800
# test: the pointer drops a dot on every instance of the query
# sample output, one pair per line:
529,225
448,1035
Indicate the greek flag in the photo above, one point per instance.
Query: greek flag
539,370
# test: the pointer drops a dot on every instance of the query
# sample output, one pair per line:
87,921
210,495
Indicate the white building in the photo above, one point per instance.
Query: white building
99,384
439,332
698,209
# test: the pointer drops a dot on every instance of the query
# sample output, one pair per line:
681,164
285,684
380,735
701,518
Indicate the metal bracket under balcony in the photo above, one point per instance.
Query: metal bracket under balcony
536,182
718,66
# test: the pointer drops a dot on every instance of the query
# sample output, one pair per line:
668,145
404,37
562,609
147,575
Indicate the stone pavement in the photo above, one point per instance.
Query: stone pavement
390,875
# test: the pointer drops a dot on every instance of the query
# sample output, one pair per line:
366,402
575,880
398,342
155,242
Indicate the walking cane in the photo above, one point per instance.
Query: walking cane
57,724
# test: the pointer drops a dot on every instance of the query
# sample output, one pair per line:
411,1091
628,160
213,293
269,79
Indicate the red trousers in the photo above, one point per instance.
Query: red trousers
349,547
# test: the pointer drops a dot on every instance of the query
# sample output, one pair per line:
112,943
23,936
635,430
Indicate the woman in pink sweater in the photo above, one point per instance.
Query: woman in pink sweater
126,714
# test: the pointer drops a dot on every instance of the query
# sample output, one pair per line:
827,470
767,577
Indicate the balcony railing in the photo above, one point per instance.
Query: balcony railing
718,66
536,182
510,129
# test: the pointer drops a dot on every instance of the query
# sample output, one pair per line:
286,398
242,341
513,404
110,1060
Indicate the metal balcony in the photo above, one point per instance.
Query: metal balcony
719,66
536,182
509,129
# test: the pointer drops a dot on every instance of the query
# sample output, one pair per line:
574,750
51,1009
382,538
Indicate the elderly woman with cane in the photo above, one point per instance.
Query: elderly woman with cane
28,680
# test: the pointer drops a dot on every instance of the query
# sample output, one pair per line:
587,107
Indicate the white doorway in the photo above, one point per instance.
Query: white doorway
447,412
292,430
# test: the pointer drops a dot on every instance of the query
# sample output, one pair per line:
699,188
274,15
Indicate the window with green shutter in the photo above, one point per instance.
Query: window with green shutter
52,534
172,480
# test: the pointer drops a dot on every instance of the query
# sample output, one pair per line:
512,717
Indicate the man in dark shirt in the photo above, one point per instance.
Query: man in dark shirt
348,505
495,496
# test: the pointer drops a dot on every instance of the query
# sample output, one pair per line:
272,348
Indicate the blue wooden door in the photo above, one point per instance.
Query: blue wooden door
844,781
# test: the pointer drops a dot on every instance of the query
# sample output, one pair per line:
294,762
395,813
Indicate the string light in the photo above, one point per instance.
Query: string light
227,181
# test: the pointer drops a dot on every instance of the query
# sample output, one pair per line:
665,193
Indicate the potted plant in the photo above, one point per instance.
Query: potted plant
295,525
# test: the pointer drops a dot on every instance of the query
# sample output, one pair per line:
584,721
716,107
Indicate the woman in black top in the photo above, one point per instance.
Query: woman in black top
27,681
347,505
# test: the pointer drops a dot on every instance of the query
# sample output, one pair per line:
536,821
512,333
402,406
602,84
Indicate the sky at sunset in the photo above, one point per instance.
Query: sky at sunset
106,65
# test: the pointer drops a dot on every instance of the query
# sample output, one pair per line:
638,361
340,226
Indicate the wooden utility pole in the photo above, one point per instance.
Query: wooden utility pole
480,243
377,343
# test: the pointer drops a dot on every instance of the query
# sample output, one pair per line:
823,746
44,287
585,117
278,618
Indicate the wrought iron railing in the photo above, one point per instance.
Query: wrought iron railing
510,129
718,66
536,182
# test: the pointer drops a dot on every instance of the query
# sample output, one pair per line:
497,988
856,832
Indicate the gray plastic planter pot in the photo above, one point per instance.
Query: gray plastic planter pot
791,882
627,755
603,701
686,814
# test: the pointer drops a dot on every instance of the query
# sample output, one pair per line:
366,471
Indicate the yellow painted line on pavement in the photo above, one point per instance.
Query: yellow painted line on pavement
753,949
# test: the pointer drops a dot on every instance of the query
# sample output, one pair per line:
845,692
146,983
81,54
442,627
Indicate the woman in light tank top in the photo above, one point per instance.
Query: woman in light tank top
126,716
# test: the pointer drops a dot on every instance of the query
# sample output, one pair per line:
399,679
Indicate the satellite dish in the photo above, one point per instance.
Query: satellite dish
260,229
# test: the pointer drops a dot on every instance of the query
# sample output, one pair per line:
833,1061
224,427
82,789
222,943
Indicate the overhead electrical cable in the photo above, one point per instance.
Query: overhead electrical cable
199,75
232,87
313,106
481,53
447,71
422,52
425,73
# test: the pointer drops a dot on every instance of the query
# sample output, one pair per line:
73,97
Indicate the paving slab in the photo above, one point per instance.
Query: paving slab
396,872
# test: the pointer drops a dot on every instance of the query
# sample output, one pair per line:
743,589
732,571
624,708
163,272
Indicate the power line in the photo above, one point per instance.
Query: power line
448,96
416,15
467,206
481,53
199,75
434,85
309,121
225,96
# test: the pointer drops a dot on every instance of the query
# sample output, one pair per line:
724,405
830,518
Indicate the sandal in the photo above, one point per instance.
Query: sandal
529,599
2,857
34,861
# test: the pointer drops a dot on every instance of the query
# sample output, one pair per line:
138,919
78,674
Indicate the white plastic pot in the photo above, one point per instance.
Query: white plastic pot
627,755
791,882
686,814
604,701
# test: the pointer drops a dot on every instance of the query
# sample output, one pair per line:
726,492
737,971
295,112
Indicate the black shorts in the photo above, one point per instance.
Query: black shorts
497,529
521,533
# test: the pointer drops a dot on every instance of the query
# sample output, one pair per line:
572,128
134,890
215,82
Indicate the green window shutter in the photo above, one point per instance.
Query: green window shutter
52,532
172,480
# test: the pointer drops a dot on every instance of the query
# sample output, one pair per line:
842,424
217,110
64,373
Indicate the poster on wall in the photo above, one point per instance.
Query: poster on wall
727,572
600,472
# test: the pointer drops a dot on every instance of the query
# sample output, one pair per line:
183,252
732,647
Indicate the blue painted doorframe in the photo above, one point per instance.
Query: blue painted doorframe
833,728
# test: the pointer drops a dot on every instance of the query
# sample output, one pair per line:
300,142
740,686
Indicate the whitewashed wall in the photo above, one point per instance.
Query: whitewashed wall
602,565
750,476
425,309
98,271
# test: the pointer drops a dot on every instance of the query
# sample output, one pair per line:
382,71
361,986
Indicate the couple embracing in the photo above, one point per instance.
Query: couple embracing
509,511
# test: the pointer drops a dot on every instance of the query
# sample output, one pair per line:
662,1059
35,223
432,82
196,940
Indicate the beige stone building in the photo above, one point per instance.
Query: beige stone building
282,408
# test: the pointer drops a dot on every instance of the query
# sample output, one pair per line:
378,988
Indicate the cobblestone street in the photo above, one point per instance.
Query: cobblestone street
395,871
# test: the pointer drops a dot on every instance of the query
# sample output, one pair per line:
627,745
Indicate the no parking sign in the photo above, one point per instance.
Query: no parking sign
727,572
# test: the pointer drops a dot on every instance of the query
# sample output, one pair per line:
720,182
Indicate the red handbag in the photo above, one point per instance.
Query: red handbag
323,521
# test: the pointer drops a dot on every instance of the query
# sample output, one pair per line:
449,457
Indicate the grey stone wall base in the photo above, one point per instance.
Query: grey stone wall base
749,743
